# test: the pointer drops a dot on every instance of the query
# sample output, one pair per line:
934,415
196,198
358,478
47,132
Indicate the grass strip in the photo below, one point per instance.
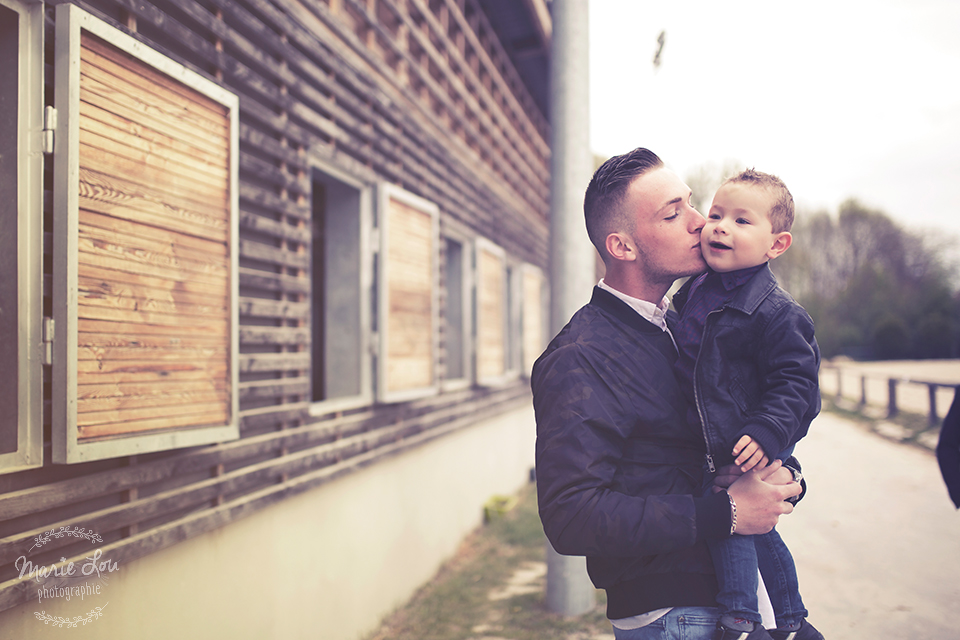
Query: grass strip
457,603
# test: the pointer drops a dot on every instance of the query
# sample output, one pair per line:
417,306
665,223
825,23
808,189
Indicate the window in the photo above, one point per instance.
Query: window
145,271
408,309
21,238
457,313
341,291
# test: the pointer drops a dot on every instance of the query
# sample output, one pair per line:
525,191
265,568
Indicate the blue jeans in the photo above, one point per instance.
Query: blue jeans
736,560
681,623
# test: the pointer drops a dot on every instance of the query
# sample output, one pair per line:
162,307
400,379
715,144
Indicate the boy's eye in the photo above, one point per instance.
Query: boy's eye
713,216
742,221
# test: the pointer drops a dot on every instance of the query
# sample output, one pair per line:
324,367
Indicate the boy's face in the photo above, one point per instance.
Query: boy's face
738,233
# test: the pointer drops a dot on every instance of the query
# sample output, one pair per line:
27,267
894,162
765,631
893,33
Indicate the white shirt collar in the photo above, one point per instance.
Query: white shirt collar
653,313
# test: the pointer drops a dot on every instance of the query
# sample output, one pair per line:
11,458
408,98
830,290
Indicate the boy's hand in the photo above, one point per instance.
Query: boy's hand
749,455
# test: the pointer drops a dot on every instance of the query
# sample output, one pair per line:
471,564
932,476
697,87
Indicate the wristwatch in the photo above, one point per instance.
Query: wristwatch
798,478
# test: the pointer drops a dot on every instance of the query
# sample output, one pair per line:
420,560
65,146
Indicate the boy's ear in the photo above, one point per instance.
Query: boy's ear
620,247
781,242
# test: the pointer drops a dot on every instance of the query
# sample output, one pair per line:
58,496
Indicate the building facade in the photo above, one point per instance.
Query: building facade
279,281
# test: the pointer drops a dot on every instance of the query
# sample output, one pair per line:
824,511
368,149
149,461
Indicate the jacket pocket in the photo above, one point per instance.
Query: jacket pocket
746,396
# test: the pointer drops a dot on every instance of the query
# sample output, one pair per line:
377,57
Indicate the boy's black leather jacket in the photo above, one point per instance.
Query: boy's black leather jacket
757,373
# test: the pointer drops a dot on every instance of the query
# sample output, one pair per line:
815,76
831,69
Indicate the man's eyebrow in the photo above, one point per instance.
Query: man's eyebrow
674,201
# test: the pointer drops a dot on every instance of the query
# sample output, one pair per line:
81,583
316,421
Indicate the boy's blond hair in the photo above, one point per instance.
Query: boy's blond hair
781,213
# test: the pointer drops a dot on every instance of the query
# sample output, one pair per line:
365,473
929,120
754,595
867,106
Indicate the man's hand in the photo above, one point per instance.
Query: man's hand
760,496
749,454
730,473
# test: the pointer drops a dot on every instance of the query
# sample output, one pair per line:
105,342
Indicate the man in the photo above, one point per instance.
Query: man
619,469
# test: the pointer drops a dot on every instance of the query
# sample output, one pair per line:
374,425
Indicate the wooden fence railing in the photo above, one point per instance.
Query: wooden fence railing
894,385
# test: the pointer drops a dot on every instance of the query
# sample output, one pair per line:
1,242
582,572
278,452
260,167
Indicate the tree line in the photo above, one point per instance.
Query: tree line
874,289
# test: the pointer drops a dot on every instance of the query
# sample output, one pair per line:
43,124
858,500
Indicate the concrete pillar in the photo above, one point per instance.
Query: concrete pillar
572,257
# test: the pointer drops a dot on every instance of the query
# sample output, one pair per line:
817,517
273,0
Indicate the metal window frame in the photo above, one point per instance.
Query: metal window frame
366,251
29,452
513,331
387,192
467,294
70,21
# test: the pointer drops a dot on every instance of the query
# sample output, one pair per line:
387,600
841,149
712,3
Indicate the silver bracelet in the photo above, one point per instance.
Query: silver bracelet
733,515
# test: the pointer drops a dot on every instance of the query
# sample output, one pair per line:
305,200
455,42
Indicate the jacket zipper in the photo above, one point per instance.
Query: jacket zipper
711,467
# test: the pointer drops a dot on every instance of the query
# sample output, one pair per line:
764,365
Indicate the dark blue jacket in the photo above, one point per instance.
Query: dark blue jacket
948,449
758,369
619,469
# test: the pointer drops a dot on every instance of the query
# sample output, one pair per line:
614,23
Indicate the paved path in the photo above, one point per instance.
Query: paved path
877,540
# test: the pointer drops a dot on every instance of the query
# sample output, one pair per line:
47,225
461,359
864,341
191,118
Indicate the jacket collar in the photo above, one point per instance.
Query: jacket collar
761,285
616,307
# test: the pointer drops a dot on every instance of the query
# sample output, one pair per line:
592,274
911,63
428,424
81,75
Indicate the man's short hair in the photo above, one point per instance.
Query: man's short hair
781,214
603,202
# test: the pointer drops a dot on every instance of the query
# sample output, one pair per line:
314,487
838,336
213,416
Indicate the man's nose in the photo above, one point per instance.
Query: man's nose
696,221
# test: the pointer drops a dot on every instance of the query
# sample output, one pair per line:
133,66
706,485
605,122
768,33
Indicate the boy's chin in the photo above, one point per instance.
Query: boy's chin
719,267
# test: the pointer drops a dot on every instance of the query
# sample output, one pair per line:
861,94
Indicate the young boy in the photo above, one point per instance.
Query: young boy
749,361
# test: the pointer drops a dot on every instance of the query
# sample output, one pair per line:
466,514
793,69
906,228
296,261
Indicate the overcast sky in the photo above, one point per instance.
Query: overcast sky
841,99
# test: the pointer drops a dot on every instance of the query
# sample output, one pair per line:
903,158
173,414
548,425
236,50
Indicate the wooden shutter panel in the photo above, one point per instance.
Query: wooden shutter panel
145,292
410,255
491,313
533,317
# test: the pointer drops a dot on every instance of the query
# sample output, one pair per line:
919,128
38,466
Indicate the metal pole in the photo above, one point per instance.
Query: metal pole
572,257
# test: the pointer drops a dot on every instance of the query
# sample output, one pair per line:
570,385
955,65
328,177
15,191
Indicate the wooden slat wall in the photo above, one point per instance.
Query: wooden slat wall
153,269
410,258
414,92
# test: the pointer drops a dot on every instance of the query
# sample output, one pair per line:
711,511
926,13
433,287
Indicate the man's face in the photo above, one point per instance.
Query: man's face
738,233
667,232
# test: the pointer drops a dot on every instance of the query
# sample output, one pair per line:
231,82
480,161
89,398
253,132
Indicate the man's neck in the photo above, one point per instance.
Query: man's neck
636,287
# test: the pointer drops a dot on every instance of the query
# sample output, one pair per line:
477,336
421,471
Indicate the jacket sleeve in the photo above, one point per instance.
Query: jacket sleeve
581,433
948,449
788,366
